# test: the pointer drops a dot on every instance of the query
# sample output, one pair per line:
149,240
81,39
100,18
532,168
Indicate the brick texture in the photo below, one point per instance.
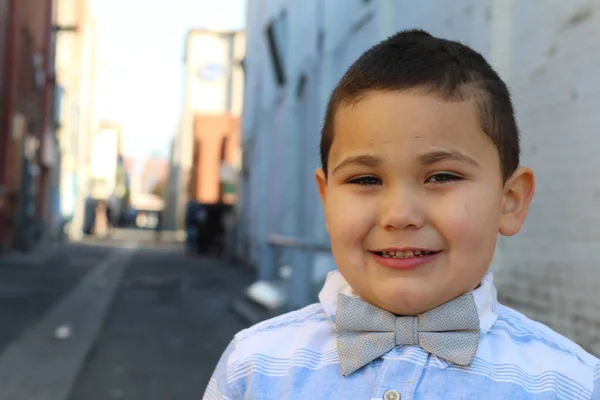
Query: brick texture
550,270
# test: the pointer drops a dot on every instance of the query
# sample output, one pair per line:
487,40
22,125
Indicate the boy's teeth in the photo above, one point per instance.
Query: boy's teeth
404,254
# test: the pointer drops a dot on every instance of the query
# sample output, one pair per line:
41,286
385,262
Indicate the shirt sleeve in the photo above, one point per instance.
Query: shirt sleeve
220,386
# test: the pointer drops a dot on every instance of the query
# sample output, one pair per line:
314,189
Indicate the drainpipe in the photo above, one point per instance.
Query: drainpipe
46,104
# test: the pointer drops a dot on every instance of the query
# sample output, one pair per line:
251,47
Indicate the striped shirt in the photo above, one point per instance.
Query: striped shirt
294,356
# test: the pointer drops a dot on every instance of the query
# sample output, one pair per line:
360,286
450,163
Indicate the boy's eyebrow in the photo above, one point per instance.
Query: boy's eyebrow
441,155
365,160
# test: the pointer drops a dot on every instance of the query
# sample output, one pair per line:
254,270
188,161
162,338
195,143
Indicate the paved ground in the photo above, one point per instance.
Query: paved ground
30,285
149,323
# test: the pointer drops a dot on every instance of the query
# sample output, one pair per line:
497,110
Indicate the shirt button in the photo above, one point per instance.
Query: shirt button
391,395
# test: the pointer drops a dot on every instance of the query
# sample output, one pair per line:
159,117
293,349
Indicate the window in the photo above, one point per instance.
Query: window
278,45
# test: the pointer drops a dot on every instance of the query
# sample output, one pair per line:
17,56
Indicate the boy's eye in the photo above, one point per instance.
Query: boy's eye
365,181
442,178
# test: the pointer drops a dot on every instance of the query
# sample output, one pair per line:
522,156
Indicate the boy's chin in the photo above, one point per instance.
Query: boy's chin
408,303
407,299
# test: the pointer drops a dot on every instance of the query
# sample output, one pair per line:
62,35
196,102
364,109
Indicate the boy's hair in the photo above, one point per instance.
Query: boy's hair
414,59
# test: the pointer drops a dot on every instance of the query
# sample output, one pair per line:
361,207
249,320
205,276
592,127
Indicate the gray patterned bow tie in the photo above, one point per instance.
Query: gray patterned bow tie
365,332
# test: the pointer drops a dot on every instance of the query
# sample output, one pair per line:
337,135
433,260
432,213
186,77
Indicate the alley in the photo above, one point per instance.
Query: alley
136,320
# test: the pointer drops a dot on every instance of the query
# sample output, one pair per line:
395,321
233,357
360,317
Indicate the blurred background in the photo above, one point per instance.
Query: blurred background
156,174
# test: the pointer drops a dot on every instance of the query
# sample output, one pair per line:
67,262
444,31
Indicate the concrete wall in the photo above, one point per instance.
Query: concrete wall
105,142
549,54
550,270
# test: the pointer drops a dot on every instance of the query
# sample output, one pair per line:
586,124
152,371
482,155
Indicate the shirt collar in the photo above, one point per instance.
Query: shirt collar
485,298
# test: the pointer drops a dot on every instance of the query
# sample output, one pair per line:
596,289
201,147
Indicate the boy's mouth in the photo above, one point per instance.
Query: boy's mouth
405,254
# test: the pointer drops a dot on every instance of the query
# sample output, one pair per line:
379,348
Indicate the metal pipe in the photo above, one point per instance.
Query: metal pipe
294,242
46,104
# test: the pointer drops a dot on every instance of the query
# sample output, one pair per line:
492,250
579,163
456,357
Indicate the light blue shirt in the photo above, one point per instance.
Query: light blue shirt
294,356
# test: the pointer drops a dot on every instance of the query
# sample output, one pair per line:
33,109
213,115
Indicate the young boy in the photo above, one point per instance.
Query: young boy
420,172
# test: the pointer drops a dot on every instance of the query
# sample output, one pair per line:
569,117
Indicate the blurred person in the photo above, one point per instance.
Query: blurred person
212,228
109,210
89,223
159,226
201,217
190,227
195,217
420,173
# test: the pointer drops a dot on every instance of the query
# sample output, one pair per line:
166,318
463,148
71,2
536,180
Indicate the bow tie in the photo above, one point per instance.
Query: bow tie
365,332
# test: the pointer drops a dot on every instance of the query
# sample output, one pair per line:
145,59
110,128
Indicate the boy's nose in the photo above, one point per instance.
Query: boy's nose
400,209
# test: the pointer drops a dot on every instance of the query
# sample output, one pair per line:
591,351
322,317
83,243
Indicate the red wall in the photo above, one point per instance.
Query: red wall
27,35
209,133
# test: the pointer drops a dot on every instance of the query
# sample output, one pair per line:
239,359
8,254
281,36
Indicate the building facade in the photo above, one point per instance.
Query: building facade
27,139
76,47
213,90
216,148
299,49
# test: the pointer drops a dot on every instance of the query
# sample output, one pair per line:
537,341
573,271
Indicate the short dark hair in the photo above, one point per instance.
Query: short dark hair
414,59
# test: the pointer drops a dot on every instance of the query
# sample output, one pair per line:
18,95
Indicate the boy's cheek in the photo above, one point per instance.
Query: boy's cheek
346,217
468,221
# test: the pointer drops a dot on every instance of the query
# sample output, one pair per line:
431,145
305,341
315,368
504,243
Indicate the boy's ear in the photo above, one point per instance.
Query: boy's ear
322,187
518,192
321,183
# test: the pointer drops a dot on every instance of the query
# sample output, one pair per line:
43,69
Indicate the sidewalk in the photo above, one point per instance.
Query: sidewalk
30,284
145,322
43,362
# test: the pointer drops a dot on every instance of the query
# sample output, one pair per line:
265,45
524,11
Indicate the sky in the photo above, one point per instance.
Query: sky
139,80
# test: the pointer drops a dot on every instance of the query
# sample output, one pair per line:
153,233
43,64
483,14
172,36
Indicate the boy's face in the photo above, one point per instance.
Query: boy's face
413,174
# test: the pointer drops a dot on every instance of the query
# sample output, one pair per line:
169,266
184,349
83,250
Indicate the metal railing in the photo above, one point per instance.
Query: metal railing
299,255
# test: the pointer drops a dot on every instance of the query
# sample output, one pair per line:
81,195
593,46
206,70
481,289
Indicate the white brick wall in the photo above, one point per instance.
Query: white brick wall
551,270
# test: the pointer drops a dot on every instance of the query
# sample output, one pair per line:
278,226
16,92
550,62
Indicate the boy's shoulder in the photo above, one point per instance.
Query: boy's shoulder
286,332
541,341
311,315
